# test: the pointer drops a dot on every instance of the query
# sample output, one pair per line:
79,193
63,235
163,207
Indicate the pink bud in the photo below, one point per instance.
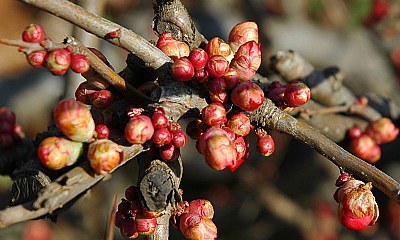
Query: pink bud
193,226
102,131
296,94
217,46
248,96
169,152
202,207
217,66
242,33
79,63
84,92
214,114
102,98
182,70
355,131
365,148
231,78
240,124
36,58
139,129
159,120
74,119
247,60
58,61
145,225
104,155
34,33
57,152
382,130
161,137
344,177
172,47
198,57
265,143
179,138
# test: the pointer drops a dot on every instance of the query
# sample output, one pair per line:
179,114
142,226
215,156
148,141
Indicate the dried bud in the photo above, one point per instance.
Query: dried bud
79,63
214,114
240,124
247,60
231,78
104,155
296,94
145,225
182,70
195,128
58,61
169,152
365,148
217,66
102,131
198,57
74,119
382,130
34,33
102,98
172,47
217,46
202,207
139,129
161,137
193,226
84,92
242,33
248,96
57,152
265,143
36,58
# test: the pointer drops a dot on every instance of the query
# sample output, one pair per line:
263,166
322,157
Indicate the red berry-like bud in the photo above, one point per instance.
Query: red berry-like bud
179,138
193,226
139,129
296,94
202,207
344,177
198,57
102,98
159,120
145,225
128,229
242,33
276,91
102,131
217,46
247,60
169,152
200,76
182,70
104,155
217,90
6,127
231,78
84,92
34,33
172,47
58,61
248,96
231,134
57,152
382,130
218,149
79,63
36,58
355,131
161,137
217,66
214,114
265,143
195,128
240,124
365,148
74,119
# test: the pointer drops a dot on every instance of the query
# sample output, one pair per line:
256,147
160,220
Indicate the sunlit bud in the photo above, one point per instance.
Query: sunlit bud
33,33
382,130
182,70
217,66
242,33
79,63
247,60
193,226
248,96
171,47
198,57
36,58
239,123
202,207
58,61
139,129
214,114
104,155
217,46
296,94
365,148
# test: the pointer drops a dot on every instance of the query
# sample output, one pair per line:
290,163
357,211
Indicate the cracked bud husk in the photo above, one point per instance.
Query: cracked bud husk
145,225
139,129
365,148
218,149
171,47
195,227
58,61
74,119
182,70
202,207
58,152
217,46
357,206
214,114
36,58
217,66
296,94
247,60
382,130
104,155
33,33
242,33
79,63
248,96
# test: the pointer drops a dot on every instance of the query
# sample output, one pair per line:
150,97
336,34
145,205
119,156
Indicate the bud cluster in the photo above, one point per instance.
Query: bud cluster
166,136
365,144
11,132
357,206
57,61
132,218
291,95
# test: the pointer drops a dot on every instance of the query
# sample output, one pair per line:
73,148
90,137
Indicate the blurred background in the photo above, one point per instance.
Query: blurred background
285,196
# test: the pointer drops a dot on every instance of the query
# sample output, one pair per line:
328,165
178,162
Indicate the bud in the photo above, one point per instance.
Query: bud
276,91
296,94
79,63
231,78
248,96
84,92
344,177
265,143
34,33
193,226
102,131
102,98
179,138
36,58
242,33
169,152
145,225
161,137
214,114
355,131
200,76
217,66
172,47
139,129
202,207
57,152
182,70
240,124
58,61
195,128
217,90
217,46
218,150
159,120
198,57
365,148
247,60
104,155
74,119
382,130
